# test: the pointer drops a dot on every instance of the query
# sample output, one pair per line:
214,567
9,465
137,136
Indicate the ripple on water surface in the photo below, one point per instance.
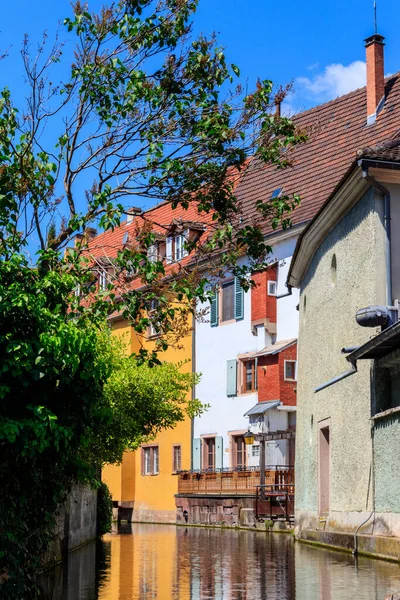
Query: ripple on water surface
175,563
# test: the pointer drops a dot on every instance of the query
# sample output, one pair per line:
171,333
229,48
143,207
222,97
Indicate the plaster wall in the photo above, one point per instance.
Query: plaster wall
216,345
151,497
395,241
329,301
386,440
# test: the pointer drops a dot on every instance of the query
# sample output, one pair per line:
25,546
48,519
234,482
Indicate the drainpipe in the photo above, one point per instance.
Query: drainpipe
386,218
355,548
336,379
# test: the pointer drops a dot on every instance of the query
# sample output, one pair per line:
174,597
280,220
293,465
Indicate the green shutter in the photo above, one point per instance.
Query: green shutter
231,377
214,310
219,452
238,299
196,454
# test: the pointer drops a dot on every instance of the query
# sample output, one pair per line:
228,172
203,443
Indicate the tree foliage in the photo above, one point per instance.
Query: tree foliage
70,400
146,112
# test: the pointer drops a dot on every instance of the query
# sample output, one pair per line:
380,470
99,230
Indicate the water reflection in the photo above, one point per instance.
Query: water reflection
154,561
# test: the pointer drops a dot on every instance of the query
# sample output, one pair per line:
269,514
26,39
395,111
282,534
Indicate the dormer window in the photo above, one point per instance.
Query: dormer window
102,280
152,253
176,247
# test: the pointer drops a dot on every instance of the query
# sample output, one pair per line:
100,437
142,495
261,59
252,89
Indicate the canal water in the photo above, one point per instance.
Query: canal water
170,563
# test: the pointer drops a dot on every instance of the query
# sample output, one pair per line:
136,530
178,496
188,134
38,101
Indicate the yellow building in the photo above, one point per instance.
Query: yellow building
143,487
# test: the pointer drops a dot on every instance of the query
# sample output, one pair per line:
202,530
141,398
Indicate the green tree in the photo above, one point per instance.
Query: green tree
145,112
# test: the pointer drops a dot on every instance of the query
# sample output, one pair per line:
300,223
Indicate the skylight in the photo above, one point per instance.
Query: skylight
276,193
125,238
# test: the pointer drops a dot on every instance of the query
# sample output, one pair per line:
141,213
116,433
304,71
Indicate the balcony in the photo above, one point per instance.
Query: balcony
236,482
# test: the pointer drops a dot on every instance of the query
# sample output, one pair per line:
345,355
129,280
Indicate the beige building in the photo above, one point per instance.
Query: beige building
348,403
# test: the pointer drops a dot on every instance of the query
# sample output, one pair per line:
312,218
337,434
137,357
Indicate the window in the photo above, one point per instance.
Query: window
239,451
78,290
102,280
228,301
150,460
249,376
176,459
179,247
276,193
152,328
152,253
271,288
255,451
175,247
290,369
209,453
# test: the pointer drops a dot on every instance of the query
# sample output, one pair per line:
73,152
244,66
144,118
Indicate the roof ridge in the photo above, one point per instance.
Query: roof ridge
341,98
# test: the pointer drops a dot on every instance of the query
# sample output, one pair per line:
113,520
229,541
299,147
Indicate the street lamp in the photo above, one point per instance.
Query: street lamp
249,438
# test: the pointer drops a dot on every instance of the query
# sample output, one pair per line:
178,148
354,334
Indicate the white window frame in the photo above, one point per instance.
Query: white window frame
295,370
177,447
152,253
103,280
272,288
255,447
147,461
153,307
156,460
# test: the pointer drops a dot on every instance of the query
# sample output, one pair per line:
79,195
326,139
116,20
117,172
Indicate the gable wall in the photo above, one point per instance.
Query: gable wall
327,324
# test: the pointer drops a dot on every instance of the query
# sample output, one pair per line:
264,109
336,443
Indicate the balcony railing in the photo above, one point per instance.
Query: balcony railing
241,481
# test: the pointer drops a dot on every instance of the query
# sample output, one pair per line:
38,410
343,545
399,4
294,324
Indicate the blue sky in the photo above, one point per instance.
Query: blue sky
296,40
317,44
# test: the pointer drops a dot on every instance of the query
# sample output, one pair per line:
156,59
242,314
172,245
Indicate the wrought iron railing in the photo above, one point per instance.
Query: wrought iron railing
238,481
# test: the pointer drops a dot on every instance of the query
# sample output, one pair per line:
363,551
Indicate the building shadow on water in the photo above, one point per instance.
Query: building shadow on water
162,562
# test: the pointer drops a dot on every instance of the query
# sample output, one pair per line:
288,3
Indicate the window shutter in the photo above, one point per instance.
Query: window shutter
214,310
256,374
168,253
231,378
219,452
238,299
196,454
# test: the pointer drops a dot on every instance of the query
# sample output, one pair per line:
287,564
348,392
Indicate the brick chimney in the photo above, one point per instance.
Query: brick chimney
375,76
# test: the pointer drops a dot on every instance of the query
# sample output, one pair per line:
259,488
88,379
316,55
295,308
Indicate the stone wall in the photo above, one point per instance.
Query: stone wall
216,510
76,523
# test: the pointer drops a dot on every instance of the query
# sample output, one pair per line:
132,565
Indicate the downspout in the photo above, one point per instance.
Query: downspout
355,548
386,219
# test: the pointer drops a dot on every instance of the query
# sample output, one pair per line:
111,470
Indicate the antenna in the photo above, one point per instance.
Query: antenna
375,18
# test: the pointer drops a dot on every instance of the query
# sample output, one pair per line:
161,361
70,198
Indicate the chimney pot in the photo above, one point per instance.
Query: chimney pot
133,212
90,233
375,75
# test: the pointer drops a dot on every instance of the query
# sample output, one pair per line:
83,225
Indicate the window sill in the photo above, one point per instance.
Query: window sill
229,322
290,380
386,413
240,394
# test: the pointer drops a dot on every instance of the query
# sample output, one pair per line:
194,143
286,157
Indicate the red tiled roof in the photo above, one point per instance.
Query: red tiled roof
338,130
